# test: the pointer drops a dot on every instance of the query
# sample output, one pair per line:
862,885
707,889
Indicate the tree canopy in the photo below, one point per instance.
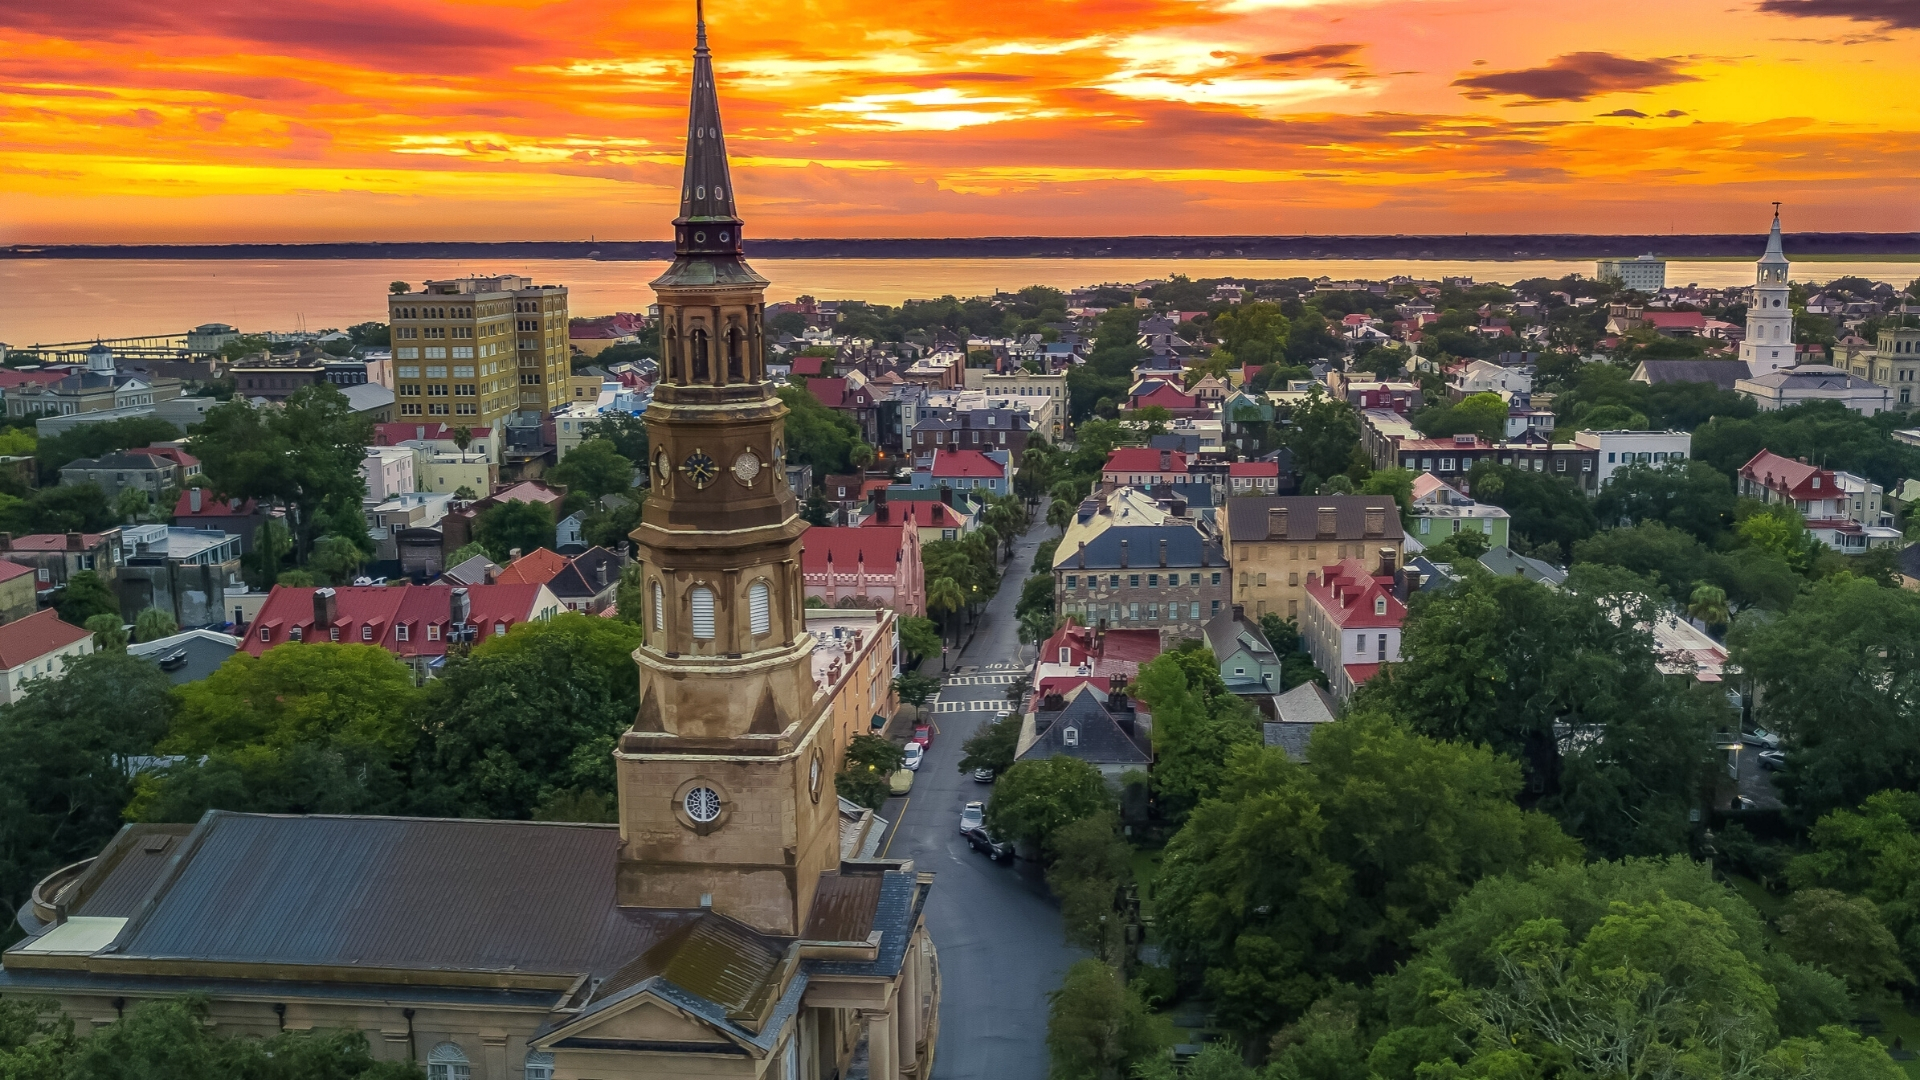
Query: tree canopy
303,453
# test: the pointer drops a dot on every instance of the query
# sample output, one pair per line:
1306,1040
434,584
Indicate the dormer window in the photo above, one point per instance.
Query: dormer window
1070,736
1379,605
1816,481
433,631
1066,654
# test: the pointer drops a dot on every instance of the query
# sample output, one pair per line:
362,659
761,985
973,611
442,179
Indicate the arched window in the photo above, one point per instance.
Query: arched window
734,351
539,1065
760,607
697,346
447,1062
675,371
659,609
702,602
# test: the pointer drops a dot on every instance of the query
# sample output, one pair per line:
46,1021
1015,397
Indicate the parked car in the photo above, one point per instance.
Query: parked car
1762,737
900,782
923,734
983,775
915,753
973,816
983,841
1772,760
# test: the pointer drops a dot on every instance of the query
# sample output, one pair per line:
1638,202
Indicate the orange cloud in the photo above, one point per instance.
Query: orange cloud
472,119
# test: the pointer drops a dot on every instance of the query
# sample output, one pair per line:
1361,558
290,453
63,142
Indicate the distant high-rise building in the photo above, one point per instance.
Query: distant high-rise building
1647,274
473,350
1769,342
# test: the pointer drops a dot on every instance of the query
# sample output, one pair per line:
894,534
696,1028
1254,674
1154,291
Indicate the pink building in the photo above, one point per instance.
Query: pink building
872,566
1352,621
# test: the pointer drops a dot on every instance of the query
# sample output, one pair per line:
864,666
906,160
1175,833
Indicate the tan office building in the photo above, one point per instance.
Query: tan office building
1277,545
469,351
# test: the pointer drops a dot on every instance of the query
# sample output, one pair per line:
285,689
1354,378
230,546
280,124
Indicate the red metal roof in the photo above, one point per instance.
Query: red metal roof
396,433
1126,646
25,640
965,463
1347,591
11,570
1674,320
536,567
876,546
1254,468
1797,479
368,614
53,541
829,392
211,505
1167,396
171,453
1145,459
808,365
922,514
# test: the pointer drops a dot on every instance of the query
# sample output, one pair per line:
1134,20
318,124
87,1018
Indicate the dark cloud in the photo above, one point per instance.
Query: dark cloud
334,29
1892,14
1317,56
1671,113
1577,77
1635,113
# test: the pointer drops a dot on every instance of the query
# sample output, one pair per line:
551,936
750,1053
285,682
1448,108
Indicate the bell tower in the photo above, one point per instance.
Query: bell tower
725,779
1768,345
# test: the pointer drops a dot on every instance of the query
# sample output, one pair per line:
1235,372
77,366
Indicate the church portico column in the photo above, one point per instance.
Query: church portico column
883,1062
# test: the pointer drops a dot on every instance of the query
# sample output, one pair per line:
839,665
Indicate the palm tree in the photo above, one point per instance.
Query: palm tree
1708,604
462,438
944,597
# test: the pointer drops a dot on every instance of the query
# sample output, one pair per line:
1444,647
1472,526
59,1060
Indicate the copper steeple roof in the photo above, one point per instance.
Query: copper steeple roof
706,233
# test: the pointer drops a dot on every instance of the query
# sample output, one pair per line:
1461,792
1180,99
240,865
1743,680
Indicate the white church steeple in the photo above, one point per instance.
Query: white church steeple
1769,342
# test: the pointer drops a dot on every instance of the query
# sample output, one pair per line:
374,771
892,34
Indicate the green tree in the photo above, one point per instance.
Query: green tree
399,288
1708,603
593,469
109,633
1301,874
313,692
1827,929
132,505
95,440
1091,867
1518,666
1545,509
171,1039
1097,1029
1688,495
1034,799
503,527
528,716
336,559
1322,434
1653,954
85,595
945,598
914,688
1824,431
992,745
63,752
1484,415
1835,676
1197,726
1869,853
919,637
304,454
816,435
862,778
1395,482
154,623
629,596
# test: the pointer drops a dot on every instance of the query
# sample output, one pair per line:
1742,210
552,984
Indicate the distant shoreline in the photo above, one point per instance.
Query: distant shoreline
1893,247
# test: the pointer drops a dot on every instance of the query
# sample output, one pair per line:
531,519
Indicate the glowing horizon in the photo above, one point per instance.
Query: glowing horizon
344,120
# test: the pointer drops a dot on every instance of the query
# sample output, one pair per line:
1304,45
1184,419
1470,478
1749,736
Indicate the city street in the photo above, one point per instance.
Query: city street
998,932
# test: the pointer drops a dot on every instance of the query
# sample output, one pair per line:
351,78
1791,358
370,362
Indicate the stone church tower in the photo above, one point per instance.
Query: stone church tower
726,778
1768,345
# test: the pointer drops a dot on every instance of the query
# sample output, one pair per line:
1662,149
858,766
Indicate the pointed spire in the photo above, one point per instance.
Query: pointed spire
708,223
1773,238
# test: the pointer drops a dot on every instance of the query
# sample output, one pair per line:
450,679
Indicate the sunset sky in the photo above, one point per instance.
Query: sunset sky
243,120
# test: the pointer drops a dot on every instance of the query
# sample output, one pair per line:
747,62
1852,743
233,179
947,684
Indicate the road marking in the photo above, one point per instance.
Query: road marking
973,706
983,680
898,818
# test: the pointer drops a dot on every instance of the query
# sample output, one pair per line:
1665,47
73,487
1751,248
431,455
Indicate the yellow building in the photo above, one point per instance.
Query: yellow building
469,351
1277,543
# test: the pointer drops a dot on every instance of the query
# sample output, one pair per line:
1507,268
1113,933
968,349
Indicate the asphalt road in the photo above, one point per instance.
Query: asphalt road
998,932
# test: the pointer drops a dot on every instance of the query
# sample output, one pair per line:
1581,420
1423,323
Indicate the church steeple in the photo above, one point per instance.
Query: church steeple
708,222
1768,345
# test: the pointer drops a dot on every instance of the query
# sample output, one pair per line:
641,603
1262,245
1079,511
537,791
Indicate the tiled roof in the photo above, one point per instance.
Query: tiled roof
25,640
1138,547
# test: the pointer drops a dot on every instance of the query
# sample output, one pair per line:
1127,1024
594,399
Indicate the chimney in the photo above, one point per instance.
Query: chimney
1239,611
512,554
76,542
1376,520
6,541
600,574
1163,552
1328,521
1083,554
193,499
1123,554
946,495
326,609
1166,460
1053,703
459,607
1388,560
1276,523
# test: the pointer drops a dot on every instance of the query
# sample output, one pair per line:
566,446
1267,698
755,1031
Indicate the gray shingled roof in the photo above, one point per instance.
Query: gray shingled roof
1185,548
1721,373
1247,516
1227,633
1099,737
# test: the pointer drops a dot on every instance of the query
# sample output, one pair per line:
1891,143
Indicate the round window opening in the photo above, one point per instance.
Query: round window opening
703,804
699,238
724,238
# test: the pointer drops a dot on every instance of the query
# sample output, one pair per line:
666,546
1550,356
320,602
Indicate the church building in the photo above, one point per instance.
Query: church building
740,920
1768,345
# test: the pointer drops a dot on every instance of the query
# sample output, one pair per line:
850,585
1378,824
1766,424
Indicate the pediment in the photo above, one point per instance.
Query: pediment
643,1017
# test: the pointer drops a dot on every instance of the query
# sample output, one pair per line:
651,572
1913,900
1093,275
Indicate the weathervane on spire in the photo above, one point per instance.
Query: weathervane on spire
700,25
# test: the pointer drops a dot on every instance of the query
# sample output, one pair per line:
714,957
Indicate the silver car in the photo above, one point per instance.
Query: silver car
972,816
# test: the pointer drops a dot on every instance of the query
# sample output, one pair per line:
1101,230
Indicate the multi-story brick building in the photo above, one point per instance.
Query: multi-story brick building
1275,544
1128,562
1452,458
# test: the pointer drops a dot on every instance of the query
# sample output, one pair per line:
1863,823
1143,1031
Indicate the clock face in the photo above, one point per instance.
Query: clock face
663,467
814,771
746,467
700,468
